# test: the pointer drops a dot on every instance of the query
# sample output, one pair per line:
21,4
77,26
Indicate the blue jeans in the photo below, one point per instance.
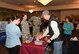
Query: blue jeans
57,47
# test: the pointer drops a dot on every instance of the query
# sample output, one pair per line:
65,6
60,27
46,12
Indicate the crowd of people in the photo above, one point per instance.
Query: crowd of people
60,33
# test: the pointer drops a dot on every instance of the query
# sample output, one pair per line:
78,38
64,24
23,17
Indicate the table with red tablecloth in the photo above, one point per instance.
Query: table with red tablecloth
31,48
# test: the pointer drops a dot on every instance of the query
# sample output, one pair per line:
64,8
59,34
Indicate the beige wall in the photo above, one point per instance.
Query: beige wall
64,13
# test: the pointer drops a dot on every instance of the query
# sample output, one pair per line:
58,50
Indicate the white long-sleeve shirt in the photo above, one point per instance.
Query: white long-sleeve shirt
55,29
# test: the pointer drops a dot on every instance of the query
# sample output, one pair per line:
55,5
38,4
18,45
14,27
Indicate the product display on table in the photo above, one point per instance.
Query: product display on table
29,40
38,42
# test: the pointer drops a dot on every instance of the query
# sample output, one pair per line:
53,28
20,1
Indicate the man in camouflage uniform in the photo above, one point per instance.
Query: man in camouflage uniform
36,22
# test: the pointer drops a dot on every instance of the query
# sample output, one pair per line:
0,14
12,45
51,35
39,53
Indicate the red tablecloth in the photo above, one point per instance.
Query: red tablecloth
31,48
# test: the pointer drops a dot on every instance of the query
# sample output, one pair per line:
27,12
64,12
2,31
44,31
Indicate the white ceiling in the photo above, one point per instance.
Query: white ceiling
31,4
35,3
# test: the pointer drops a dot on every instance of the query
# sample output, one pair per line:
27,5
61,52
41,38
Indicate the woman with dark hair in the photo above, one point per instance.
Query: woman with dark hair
13,34
25,28
69,18
68,27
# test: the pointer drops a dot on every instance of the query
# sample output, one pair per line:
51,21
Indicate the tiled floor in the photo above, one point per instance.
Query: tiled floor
3,50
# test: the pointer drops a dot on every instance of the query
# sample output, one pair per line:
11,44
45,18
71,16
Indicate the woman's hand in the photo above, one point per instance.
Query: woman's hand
65,29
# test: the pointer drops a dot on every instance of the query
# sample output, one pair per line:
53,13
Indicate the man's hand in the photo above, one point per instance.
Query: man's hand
47,35
40,37
48,41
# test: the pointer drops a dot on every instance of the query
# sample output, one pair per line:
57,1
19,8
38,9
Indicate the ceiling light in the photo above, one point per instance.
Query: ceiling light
29,6
44,2
34,1
31,11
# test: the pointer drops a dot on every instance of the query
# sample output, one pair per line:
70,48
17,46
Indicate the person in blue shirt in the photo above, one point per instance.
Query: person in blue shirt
68,27
13,35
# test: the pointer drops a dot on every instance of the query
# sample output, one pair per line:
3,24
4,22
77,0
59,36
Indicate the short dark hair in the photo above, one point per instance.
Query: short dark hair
69,18
14,17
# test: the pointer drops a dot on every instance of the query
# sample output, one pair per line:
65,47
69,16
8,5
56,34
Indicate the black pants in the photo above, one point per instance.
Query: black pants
66,39
73,47
14,50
